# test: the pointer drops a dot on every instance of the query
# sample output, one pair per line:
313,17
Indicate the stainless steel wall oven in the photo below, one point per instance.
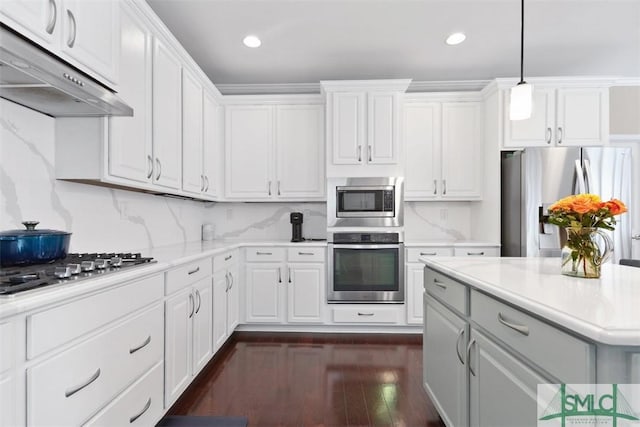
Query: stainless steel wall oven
366,267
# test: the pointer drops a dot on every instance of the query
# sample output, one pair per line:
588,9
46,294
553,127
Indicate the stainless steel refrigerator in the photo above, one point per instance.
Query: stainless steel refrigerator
535,178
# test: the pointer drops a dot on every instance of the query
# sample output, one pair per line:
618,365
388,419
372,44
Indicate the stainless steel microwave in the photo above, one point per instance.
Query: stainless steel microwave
365,202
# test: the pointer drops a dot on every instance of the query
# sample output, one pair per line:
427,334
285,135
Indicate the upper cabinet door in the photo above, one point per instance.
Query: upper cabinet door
37,19
192,176
583,116
167,117
211,144
348,129
382,135
422,135
537,131
130,147
300,151
91,35
248,143
462,150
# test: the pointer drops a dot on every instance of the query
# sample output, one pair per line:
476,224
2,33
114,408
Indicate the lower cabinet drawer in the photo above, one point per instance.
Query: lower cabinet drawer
70,387
265,254
564,356
414,254
225,260
181,277
446,290
306,254
139,405
367,314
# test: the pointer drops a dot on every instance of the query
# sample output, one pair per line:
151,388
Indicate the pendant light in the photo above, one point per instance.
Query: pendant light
522,94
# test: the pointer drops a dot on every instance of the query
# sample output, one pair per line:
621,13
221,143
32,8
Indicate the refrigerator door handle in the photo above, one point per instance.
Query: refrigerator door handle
579,176
587,175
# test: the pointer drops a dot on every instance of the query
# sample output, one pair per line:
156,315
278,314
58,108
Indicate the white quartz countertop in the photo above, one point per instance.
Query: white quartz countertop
450,243
604,310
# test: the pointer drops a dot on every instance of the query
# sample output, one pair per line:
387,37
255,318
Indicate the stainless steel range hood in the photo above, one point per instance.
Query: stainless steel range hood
36,79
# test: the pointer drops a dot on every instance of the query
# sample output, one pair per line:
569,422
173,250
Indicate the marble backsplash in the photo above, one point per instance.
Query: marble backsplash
103,219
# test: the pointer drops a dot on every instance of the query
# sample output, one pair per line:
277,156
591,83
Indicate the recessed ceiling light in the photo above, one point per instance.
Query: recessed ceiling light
455,38
252,41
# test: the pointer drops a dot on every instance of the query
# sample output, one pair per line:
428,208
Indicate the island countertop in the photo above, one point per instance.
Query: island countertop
604,310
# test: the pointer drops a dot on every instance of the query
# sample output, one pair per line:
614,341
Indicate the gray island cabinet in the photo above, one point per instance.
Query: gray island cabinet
497,328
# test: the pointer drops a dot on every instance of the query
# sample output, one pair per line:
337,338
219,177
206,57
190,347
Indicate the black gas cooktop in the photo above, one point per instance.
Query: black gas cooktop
73,268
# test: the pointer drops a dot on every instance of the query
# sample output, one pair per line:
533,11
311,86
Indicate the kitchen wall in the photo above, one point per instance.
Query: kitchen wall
100,219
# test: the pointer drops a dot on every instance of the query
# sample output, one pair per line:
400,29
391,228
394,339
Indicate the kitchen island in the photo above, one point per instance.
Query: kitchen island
496,328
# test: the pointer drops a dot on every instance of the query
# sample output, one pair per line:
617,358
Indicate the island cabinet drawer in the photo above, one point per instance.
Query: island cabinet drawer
414,254
70,387
51,328
188,274
265,254
477,251
307,254
140,405
225,260
564,356
446,290
367,314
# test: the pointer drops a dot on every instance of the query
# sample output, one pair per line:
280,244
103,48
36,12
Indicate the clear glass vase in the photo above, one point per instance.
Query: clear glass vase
585,250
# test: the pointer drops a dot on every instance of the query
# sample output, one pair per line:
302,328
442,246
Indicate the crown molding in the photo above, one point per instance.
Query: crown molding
448,86
269,89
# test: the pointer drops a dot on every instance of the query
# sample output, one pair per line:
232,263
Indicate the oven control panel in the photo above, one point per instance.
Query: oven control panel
365,238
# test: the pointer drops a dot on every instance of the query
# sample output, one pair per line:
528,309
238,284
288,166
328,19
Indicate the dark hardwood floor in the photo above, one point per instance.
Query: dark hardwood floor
292,379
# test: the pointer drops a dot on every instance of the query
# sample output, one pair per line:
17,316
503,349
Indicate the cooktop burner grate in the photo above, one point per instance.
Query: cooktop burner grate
75,267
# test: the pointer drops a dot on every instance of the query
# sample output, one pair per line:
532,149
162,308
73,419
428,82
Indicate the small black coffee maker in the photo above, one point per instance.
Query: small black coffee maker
296,227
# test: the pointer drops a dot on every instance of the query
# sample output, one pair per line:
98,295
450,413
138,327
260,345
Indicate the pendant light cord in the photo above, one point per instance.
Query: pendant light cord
521,41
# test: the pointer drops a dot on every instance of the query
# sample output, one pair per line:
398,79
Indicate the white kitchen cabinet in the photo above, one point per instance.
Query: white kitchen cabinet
264,288
167,116
226,297
299,152
9,403
188,325
211,141
305,292
285,292
503,390
462,151
91,34
414,274
562,116
443,149
192,134
274,152
249,146
364,125
87,34
130,151
445,371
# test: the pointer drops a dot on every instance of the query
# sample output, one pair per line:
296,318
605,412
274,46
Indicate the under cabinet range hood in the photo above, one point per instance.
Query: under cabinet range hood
37,79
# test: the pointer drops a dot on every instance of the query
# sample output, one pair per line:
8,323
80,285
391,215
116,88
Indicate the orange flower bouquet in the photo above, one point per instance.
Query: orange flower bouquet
583,216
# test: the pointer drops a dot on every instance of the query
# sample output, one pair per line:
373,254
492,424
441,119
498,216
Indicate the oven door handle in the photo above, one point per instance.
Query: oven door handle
366,246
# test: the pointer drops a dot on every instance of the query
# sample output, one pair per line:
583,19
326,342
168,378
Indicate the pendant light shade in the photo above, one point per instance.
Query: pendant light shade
521,100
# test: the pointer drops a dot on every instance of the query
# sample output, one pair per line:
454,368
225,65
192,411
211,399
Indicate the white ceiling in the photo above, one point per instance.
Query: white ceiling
305,41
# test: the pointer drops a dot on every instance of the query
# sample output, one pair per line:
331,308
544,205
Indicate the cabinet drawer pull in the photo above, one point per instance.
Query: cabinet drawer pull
150,162
76,389
269,187
201,183
194,271
141,346
475,253
278,187
264,253
227,258
279,275
199,301
54,16
289,270
460,335
444,187
359,153
159,169
435,187
439,284
365,314
206,187
428,253
369,153
305,253
192,305
471,343
560,135
548,135
141,413
226,279
231,280
524,330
